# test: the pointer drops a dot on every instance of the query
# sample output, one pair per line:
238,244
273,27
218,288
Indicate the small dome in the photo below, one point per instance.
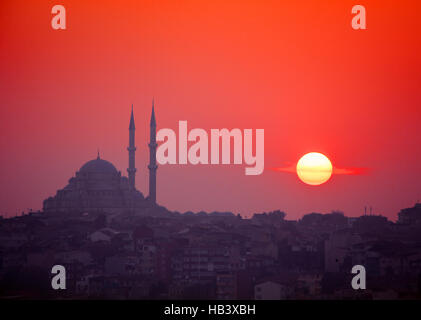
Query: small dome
98,166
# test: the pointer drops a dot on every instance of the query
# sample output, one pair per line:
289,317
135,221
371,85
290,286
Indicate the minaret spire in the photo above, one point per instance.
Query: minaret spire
131,170
132,127
152,157
153,121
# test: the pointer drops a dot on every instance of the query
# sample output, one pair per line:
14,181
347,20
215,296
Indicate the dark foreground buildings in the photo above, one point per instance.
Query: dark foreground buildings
169,255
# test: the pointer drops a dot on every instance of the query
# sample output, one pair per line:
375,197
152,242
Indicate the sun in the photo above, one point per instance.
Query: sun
314,168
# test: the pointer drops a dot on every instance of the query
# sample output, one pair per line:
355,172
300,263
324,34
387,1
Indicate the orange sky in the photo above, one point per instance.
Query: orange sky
294,68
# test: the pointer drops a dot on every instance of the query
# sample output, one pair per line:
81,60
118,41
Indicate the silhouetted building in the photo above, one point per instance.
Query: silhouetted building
410,215
98,186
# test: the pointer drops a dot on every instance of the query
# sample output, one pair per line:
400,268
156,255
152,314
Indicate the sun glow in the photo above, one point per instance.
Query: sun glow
314,168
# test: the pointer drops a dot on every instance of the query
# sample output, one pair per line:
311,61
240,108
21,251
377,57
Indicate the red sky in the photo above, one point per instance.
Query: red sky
294,68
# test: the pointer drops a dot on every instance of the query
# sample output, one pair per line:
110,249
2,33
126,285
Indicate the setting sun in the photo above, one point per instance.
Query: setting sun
314,168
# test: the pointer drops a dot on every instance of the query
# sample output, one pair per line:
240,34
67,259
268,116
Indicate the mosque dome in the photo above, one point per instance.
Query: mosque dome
98,166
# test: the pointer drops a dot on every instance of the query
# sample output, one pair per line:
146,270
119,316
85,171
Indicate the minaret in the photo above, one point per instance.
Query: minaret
152,158
132,149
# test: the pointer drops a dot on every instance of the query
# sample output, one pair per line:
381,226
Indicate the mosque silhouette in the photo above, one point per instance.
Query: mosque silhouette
99,187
